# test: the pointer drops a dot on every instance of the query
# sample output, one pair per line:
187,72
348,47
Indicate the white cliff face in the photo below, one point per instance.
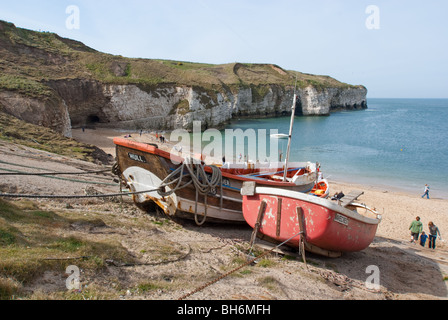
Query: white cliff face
211,109
166,107
128,104
51,113
171,107
66,127
350,98
177,107
314,102
322,102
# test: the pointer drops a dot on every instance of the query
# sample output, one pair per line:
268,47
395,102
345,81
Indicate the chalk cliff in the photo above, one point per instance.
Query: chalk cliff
172,107
60,83
51,113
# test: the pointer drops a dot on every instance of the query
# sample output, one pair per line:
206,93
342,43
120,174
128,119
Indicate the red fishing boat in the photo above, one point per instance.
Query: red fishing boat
320,225
321,188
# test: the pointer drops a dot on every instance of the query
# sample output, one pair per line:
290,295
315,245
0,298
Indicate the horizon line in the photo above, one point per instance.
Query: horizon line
446,98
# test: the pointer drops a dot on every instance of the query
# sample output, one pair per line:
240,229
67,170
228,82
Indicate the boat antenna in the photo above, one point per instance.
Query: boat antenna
291,127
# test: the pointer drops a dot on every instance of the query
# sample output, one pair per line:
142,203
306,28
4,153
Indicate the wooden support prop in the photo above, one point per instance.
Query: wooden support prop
257,226
301,222
303,236
279,216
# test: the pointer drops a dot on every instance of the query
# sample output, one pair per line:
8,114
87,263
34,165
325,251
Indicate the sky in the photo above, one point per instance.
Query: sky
396,48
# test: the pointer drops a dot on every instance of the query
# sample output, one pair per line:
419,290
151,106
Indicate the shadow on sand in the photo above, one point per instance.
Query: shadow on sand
404,268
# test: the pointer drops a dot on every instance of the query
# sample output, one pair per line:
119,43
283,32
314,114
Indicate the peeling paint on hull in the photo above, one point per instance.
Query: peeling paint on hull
327,225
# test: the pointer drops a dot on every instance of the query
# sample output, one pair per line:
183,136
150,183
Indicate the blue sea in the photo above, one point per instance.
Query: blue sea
395,143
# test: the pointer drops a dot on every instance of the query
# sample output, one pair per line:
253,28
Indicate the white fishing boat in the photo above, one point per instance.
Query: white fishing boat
279,136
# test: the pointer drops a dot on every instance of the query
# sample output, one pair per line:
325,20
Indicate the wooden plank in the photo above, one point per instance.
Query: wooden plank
283,250
352,196
322,252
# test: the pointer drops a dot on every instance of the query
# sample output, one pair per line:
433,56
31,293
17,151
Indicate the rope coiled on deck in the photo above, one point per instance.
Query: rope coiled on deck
203,183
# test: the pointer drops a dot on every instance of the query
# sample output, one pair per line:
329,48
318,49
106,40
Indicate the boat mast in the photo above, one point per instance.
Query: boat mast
291,127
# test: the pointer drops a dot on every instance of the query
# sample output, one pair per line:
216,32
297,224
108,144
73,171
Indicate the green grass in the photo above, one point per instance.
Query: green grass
20,132
68,245
8,288
25,86
270,283
151,286
6,237
181,108
259,92
35,241
55,58
266,263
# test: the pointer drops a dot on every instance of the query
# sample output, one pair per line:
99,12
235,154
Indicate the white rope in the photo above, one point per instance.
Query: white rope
204,184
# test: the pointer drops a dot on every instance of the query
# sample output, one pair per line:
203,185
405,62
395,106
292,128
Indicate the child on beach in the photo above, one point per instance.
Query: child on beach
423,239
416,228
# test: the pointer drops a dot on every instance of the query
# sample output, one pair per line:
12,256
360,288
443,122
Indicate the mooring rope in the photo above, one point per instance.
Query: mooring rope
20,173
199,178
190,168
31,167
29,196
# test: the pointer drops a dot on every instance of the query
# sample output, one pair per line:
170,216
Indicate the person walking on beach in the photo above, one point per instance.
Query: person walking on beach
433,232
416,228
426,192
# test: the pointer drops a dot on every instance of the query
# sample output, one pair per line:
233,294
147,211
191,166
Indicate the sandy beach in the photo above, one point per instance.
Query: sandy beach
398,208
408,271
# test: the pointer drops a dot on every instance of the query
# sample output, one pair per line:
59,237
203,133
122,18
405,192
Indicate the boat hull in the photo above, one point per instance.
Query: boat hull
143,167
325,224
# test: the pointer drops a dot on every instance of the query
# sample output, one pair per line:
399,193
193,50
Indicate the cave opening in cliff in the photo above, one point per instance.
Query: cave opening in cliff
299,109
92,119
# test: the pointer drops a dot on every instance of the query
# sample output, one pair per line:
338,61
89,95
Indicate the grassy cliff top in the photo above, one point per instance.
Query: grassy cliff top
29,58
16,131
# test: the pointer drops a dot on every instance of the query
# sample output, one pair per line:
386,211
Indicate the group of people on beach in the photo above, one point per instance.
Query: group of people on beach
160,137
417,233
